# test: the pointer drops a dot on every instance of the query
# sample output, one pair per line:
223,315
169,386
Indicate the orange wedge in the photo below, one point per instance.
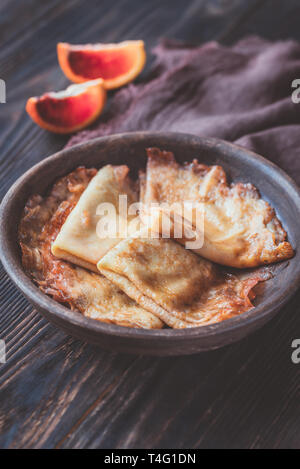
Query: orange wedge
70,110
116,64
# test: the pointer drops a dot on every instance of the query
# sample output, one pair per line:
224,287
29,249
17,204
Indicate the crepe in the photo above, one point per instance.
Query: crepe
240,228
87,292
178,286
79,240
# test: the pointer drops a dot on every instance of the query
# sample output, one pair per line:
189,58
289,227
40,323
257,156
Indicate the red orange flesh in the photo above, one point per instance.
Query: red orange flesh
70,110
116,64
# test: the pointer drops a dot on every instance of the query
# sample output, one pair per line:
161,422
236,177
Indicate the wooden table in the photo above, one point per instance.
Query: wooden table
59,392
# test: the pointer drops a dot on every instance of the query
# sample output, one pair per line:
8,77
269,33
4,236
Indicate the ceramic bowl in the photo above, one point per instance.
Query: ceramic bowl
240,165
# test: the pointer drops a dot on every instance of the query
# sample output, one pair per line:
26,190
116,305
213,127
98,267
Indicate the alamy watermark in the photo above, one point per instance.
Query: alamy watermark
296,353
178,220
296,93
2,352
2,91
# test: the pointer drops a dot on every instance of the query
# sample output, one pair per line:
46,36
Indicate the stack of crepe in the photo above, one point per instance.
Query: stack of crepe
139,277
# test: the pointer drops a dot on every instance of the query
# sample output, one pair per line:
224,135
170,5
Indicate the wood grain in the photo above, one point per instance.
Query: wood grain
58,392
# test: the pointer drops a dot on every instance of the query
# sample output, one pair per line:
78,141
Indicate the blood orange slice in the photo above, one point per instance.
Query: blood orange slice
117,64
69,110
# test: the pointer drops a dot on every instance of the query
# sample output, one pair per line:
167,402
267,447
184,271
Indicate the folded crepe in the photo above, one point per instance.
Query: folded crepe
80,240
98,298
87,292
176,285
240,229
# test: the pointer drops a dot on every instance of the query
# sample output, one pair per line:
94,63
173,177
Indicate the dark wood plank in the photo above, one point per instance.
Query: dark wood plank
272,19
56,391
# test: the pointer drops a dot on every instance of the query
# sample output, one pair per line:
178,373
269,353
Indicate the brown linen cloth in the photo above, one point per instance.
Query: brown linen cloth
240,93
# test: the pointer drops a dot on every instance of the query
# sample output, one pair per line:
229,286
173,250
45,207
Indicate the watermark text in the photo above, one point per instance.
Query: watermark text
2,91
296,93
170,221
2,352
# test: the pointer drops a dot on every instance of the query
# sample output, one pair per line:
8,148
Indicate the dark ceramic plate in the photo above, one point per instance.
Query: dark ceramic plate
239,164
